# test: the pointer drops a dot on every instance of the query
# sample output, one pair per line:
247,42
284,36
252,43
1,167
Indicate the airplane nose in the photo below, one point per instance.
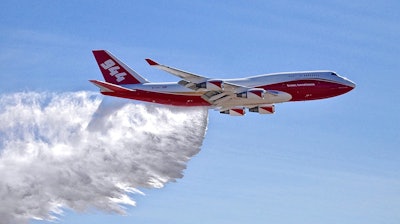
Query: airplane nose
351,84
348,82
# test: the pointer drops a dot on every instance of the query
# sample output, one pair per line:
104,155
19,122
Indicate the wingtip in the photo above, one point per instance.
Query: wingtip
151,62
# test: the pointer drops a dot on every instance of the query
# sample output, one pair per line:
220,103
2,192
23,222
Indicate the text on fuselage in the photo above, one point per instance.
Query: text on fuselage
300,84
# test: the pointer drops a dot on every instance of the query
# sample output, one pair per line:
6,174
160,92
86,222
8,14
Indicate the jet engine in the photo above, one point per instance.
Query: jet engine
237,111
263,109
252,94
211,85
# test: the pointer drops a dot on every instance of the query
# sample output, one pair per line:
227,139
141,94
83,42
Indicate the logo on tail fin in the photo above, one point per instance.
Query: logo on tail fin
110,66
115,71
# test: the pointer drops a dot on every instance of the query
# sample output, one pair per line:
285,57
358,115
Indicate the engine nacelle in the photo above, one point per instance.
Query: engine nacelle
212,85
239,111
263,109
252,94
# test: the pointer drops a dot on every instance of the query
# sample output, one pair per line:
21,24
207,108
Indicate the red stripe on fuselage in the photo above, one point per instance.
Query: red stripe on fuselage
312,89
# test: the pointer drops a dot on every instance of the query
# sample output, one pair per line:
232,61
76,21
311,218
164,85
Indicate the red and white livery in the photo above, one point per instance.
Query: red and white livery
229,96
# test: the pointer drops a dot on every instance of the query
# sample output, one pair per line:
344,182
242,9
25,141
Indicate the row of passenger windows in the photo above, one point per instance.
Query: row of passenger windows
317,75
311,75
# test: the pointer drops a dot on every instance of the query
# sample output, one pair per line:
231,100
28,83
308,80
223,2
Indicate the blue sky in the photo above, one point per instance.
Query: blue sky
328,161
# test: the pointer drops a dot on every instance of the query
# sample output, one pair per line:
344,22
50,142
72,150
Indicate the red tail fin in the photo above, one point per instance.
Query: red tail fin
114,71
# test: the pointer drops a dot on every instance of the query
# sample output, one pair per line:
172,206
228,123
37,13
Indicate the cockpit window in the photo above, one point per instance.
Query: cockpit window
334,74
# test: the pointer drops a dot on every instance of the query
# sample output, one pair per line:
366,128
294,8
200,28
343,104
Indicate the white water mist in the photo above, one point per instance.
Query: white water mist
72,150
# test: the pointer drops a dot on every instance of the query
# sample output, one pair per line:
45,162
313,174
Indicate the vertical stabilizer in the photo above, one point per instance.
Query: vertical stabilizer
114,71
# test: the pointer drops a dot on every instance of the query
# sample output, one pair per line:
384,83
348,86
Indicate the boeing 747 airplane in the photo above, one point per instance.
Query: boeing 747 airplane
229,96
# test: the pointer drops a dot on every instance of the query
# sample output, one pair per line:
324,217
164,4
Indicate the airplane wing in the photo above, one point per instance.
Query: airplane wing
220,94
189,78
181,74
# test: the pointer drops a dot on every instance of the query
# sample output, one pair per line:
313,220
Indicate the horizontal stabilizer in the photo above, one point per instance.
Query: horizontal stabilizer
109,87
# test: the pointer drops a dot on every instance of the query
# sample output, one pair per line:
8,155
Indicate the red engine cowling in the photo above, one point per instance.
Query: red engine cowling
212,85
240,111
263,109
252,94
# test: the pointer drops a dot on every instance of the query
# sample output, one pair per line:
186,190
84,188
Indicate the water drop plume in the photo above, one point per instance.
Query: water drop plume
81,151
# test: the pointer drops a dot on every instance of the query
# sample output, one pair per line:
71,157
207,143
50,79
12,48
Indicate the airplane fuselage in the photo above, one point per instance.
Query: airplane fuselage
296,86
230,96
